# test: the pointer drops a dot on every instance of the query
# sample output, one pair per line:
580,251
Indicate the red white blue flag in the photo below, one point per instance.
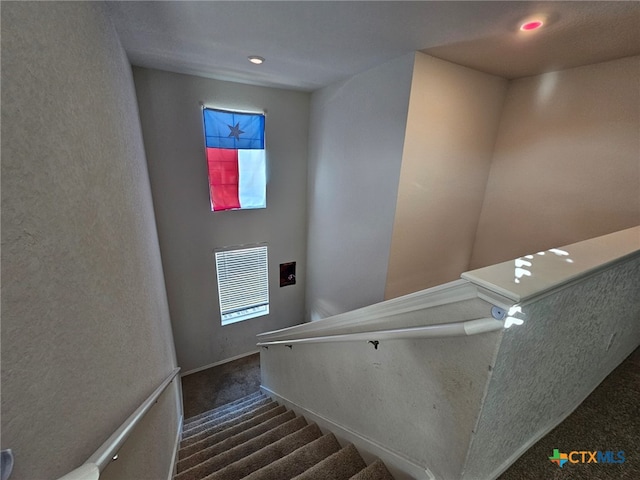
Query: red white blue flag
236,159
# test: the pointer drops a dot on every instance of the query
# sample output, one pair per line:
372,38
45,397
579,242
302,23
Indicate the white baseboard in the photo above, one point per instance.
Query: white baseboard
400,467
174,459
221,362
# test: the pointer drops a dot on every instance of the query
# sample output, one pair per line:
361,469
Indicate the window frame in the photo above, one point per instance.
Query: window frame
231,293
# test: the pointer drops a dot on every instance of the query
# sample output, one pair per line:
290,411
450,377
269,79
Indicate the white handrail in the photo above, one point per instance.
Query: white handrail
455,329
97,462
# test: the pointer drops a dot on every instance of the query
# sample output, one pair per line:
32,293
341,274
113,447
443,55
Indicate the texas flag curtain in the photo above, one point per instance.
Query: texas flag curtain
236,159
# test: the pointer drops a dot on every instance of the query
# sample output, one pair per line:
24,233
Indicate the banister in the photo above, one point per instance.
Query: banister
455,291
454,329
97,462
505,285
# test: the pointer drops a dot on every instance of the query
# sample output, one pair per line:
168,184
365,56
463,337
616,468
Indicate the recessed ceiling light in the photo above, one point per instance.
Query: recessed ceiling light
530,25
256,59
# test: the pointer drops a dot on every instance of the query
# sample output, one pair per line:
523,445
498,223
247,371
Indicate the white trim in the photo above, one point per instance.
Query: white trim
173,471
576,281
557,268
399,466
246,314
221,362
494,298
380,313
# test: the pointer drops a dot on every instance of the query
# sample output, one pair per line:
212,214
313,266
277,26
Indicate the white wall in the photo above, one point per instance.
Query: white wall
357,132
189,232
418,398
566,165
452,122
490,170
86,335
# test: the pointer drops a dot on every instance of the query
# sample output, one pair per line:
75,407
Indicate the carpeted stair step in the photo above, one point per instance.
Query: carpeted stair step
299,460
244,450
192,448
226,406
266,455
246,398
234,440
342,465
224,416
375,471
254,438
229,423
229,407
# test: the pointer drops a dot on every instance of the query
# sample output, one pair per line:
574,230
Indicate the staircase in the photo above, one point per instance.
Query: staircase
254,438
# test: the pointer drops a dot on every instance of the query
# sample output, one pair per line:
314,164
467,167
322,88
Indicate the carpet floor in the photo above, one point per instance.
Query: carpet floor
216,386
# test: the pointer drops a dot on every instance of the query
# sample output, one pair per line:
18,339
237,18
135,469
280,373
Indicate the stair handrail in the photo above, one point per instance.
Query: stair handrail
453,329
107,452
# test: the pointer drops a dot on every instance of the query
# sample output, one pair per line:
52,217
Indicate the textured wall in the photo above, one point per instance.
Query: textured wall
570,341
357,131
189,231
417,397
566,164
452,122
86,335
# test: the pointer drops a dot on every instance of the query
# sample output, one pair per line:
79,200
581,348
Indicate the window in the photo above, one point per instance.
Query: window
243,283
236,159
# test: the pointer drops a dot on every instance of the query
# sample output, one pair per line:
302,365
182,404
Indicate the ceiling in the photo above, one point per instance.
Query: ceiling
310,44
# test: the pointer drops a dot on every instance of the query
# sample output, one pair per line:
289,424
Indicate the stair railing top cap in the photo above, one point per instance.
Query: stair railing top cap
531,275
